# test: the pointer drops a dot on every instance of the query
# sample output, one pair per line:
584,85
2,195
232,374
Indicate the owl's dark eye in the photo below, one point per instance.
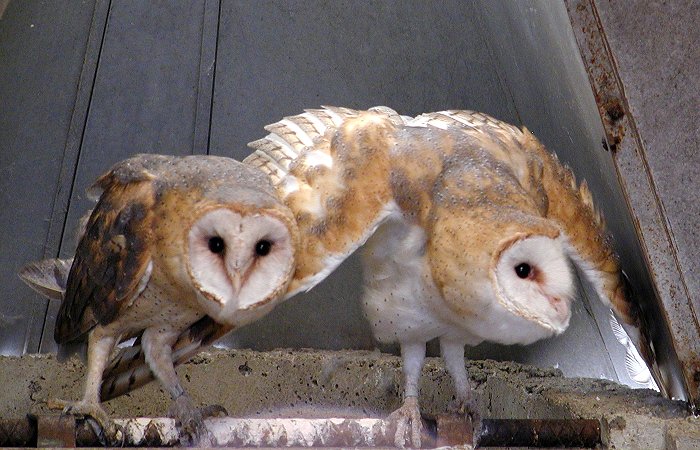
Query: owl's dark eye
216,244
523,270
262,247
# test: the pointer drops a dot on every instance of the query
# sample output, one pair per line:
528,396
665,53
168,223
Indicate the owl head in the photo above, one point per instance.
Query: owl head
237,243
532,280
516,285
240,262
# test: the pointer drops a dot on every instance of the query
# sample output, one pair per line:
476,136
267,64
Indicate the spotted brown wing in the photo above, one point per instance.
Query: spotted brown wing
112,256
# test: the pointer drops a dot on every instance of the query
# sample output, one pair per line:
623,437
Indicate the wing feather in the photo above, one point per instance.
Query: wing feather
313,159
128,369
47,277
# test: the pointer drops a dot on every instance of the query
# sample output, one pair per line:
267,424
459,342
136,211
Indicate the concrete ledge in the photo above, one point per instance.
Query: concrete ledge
356,384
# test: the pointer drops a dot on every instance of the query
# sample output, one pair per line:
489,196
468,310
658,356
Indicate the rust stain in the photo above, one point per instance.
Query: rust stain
618,125
56,431
601,73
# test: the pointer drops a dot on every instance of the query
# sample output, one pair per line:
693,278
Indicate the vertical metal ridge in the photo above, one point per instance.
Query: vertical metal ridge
207,72
71,155
213,76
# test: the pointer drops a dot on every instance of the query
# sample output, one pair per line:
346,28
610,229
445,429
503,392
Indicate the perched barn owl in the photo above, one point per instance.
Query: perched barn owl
172,240
476,225
471,222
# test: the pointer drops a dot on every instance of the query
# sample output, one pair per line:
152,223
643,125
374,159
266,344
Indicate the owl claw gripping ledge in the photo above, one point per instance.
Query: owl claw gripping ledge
170,241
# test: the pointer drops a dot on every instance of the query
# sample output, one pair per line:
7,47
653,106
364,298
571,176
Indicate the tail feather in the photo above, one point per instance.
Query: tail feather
47,277
634,363
128,369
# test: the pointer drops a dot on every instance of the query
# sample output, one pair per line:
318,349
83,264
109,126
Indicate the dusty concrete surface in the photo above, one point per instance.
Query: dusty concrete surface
363,384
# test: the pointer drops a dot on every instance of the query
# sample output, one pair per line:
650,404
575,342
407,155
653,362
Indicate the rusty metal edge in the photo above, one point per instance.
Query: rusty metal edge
646,208
568,433
56,431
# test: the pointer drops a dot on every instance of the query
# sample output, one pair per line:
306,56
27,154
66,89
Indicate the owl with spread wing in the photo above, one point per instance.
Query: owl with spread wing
471,226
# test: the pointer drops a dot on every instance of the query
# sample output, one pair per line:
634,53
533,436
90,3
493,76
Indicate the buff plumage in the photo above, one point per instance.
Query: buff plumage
171,242
470,223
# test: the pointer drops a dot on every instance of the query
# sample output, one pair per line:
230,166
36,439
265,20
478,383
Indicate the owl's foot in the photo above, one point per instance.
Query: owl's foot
468,406
190,423
108,432
408,424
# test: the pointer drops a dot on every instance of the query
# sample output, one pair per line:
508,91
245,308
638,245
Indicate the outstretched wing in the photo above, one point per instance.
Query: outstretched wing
112,259
324,171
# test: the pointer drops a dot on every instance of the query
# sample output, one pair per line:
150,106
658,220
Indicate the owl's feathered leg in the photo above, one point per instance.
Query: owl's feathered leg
453,354
407,417
128,370
157,346
100,346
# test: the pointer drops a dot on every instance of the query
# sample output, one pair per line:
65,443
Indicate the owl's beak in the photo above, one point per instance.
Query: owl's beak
560,306
236,280
237,274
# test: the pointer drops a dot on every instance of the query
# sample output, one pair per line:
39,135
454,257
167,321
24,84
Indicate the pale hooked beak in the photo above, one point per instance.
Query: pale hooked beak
560,306
236,273
235,277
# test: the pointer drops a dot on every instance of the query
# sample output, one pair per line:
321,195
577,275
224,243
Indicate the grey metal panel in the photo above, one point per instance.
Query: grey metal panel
146,97
673,315
276,58
42,49
661,78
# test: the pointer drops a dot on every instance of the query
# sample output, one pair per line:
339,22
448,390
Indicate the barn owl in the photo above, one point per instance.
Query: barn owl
172,240
476,224
472,226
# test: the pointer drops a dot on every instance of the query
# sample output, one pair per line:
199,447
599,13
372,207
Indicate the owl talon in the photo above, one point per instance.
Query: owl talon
189,420
109,435
106,430
467,407
408,420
